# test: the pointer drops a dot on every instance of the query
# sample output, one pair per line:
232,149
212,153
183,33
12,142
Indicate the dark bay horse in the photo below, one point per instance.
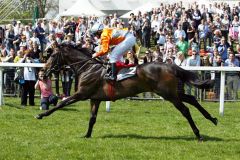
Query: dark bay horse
159,78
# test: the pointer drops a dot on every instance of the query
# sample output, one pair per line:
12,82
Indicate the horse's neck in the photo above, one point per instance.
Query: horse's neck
86,67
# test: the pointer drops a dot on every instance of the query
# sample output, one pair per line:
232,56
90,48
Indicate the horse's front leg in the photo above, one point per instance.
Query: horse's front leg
94,110
72,99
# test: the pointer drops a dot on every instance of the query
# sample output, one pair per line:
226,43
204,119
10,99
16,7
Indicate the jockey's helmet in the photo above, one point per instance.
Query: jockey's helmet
97,27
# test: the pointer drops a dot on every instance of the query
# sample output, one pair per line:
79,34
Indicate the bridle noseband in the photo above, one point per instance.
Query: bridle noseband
56,67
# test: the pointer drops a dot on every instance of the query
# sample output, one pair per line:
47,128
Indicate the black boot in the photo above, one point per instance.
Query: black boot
112,76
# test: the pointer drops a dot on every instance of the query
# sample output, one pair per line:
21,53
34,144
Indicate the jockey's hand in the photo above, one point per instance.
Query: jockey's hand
94,55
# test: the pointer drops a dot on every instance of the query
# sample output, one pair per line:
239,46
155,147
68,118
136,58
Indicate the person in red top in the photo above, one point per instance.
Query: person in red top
122,39
44,84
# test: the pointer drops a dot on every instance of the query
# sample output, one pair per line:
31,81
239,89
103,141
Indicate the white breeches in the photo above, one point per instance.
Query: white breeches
118,52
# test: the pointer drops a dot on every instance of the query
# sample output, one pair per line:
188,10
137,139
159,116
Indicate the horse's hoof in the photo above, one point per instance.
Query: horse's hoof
200,139
38,117
87,136
215,121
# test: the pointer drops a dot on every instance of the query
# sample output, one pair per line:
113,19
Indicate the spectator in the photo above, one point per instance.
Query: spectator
36,54
35,39
214,57
217,75
222,48
44,84
196,16
131,58
69,39
9,37
185,26
17,28
146,34
40,35
232,77
234,30
225,26
10,57
17,39
179,33
170,45
155,23
3,50
23,42
191,31
148,56
203,31
217,38
158,54
88,44
27,32
29,82
1,34
45,26
19,56
194,60
182,45
180,61
161,37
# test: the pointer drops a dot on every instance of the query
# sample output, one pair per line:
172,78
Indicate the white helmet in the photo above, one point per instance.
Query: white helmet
97,27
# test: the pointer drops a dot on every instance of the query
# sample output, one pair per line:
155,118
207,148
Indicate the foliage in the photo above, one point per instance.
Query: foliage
27,8
132,130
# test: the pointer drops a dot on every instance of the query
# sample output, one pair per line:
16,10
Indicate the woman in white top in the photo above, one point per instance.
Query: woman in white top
27,86
180,59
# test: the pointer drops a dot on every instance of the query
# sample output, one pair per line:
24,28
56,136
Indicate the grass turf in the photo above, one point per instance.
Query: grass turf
132,130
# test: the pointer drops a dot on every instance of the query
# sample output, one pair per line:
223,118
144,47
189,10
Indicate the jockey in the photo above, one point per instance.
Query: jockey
122,39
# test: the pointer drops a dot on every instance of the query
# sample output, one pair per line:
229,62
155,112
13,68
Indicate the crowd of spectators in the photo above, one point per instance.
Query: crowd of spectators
196,35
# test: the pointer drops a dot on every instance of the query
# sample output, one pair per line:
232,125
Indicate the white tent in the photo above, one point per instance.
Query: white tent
82,8
143,8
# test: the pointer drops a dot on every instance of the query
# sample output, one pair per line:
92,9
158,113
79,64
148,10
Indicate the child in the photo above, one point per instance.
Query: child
44,84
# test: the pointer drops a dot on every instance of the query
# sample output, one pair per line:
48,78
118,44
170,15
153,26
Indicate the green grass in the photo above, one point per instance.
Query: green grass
132,130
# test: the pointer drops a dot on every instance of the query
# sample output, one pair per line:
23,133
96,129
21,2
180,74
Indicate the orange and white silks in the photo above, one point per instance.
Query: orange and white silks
123,40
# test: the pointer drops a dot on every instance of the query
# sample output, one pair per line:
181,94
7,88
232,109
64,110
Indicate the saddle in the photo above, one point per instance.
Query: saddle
124,71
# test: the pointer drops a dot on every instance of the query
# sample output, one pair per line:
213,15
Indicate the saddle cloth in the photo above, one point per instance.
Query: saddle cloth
126,73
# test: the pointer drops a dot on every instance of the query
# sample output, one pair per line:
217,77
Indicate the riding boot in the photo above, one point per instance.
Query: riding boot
113,74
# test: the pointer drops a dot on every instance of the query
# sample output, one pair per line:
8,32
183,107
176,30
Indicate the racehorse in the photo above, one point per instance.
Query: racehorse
156,77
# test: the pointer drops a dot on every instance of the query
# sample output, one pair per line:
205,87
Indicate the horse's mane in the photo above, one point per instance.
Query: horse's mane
87,52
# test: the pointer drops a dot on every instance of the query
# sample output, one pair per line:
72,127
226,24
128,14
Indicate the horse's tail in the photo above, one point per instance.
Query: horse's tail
192,78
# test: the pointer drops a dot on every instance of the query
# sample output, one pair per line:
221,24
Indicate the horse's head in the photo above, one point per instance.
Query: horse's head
66,54
54,63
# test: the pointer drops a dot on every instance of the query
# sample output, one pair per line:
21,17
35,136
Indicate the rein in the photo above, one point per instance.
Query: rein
60,57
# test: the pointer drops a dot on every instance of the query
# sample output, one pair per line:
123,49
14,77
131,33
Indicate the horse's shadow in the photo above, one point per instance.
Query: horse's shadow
20,107
12,105
168,138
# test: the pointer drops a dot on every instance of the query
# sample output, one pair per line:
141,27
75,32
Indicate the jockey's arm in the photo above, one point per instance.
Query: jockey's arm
105,40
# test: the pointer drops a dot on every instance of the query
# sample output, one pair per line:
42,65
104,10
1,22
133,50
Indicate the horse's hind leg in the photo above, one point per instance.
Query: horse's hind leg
72,99
192,100
94,110
185,112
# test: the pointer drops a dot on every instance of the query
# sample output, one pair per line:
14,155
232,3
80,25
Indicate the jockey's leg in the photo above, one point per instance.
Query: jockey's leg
113,74
119,51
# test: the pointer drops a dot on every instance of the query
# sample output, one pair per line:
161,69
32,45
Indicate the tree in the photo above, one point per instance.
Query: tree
28,9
